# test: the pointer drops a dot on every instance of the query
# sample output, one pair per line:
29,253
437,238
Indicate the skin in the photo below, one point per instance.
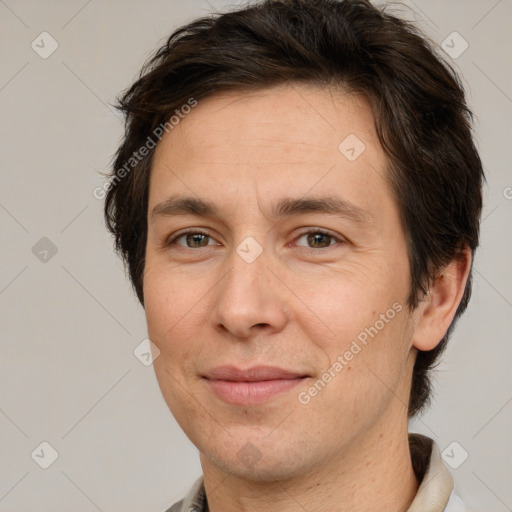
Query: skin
298,306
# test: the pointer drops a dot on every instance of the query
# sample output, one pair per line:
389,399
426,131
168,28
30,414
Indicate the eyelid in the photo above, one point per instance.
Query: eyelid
305,231
338,238
199,231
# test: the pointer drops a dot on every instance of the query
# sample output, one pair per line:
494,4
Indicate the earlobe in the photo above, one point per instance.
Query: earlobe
440,305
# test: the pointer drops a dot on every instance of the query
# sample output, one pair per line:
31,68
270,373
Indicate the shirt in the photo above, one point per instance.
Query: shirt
435,493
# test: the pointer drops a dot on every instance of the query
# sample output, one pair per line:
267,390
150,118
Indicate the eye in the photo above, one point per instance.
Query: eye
318,239
192,240
312,239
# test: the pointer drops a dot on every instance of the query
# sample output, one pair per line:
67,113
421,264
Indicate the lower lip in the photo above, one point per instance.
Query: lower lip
247,393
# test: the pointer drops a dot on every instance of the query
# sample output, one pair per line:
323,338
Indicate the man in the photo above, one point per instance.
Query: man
297,198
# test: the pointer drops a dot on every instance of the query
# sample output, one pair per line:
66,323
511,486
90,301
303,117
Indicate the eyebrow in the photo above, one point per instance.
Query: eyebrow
286,207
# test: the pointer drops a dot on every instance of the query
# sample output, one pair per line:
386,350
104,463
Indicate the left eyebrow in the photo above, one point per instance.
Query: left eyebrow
288,207
285,207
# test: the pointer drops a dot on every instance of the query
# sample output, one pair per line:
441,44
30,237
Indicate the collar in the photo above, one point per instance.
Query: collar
434,493
436,481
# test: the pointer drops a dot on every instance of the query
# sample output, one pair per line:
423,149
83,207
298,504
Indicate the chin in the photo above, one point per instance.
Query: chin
265,465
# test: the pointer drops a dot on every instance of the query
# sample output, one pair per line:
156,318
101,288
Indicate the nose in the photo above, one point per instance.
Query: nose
249,300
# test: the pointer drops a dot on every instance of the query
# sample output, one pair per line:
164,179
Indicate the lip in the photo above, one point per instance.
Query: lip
251,386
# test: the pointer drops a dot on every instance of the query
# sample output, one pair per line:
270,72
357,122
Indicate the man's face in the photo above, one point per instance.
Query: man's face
293,288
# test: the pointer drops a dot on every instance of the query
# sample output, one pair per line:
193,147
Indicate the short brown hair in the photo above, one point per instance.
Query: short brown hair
421,117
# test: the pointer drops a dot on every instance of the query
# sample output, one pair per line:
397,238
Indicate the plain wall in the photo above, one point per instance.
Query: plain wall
70,322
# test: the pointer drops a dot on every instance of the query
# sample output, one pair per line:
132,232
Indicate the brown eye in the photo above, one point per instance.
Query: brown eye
317,240
192,240
197,240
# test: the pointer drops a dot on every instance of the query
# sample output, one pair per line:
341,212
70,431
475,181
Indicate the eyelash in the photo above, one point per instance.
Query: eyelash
172,240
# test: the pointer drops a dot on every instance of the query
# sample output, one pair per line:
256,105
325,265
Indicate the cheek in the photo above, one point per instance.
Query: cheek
368,342
167,294
363,377
177,308
345,305
171,309
168,305
159,313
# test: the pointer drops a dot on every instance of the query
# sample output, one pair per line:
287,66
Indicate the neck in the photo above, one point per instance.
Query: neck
374,473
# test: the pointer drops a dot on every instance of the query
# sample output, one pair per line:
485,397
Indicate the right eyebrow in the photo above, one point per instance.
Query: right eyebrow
185,206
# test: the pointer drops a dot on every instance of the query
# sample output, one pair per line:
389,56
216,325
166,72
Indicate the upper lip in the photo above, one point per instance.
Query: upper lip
254,374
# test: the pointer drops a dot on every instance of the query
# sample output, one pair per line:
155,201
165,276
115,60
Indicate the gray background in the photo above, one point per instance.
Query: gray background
70,322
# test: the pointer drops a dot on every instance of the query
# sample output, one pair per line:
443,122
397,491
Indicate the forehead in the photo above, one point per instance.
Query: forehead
295,115
298,138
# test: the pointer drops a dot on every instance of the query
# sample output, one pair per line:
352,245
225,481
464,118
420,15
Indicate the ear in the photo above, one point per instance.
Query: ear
439,307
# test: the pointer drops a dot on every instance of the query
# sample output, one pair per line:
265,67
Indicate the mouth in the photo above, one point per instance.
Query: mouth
252,386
